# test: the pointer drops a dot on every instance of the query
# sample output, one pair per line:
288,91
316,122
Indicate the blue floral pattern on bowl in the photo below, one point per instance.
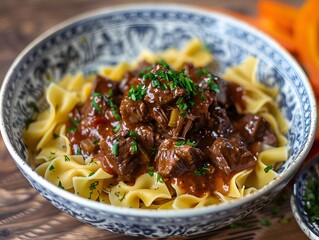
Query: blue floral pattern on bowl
298,202
113,35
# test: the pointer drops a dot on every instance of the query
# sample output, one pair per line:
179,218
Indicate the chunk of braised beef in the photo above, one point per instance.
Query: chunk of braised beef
200,109
219,122
158,91
235,95
88,145
172,160
103,89
103,85
230,155
146,135
193,72
158,114
159,97
222,97
93,120
184,124
128,81
126,162
132,112
132,78
255,128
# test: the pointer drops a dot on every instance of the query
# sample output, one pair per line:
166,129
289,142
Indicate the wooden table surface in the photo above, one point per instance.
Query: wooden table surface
24,214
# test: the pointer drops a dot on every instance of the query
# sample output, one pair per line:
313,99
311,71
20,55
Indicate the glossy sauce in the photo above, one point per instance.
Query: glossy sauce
211,116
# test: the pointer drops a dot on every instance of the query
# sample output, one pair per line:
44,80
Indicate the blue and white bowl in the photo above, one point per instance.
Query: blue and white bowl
298,202
115,34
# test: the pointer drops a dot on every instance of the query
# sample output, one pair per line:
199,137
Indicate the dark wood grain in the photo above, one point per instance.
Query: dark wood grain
24,214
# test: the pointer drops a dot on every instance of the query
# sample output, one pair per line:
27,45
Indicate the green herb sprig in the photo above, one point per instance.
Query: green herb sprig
136,94
94,102
267,169
115,148
202,171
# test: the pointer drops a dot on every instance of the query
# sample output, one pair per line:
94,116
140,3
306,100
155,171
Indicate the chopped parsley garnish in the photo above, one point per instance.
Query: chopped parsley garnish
182,106
90,196
186,83
66,158
202,171
71,129
312,199
110,92
213,86
79,151
133,134
163,64
95,142
179,100
134,146
121,198
156,83
136,94
112,105
60,185
201,72
159,178
93,185
180,143
203,97
55,136
117,128
156,79
183,115
151,171
153,151
94,103
191,143
144,70
91,174
188,142
51,168
115,148
174,79
267,169
116,115
75,122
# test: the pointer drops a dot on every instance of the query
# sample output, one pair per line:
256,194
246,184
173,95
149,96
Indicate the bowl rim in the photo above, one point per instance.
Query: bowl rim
195,9
294,198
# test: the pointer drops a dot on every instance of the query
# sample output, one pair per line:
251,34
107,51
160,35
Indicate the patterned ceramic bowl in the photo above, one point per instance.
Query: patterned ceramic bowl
116,34
298,200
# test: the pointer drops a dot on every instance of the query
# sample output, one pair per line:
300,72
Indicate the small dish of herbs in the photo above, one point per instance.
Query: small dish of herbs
305,198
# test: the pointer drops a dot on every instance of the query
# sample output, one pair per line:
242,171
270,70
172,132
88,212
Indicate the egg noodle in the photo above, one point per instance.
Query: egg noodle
51,157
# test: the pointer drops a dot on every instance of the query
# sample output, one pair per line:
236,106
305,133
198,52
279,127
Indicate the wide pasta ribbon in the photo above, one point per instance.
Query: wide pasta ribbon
146,189
259,98
61,102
